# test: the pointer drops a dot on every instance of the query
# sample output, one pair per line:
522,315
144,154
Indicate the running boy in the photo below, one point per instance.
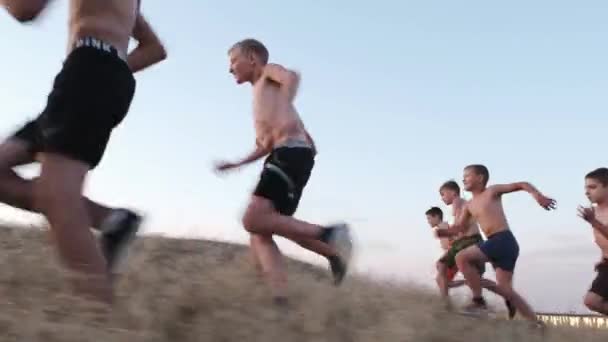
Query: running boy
445,276
596,190
501,248
290,151
450,195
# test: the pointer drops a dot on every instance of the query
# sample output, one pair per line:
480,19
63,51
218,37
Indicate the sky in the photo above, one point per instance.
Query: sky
399,96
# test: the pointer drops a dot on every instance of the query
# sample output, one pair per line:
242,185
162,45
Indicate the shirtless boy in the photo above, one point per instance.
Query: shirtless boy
446,266
445,276
501,248
596,189
91,95
281,135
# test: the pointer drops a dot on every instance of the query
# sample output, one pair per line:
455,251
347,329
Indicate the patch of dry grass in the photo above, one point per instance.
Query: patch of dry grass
182,290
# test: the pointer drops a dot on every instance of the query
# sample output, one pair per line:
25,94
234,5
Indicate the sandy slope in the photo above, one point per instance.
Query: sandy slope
179,290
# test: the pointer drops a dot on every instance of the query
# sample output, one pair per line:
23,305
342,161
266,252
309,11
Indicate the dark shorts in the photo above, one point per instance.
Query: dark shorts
502,250
600,283
449,259
91,95
285,174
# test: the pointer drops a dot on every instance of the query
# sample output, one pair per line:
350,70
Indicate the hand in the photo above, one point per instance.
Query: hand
442,233
546,202
225,166
587,214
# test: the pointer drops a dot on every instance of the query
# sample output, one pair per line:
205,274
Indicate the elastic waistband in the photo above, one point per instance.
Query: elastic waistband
502,232
99,45
294,143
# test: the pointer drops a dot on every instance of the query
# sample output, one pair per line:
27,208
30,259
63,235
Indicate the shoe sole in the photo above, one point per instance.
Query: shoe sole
342,241
122,249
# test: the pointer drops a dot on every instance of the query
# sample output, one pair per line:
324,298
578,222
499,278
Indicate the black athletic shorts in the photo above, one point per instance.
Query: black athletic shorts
600,283
91,95
285,174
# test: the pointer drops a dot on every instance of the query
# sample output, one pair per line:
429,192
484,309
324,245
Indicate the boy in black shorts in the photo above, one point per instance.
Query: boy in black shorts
596,190
90,96
290,151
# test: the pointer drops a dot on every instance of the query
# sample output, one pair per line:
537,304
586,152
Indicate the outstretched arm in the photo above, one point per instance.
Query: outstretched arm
24,10
289,80
260,151
149,50
545,202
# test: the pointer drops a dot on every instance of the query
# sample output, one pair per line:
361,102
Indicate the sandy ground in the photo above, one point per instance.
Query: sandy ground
184,290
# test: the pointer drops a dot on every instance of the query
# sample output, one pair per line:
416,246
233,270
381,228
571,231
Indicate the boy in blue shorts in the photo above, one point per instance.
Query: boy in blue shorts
501,248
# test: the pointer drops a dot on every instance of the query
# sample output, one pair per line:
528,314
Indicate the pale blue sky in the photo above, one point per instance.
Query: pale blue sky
399,96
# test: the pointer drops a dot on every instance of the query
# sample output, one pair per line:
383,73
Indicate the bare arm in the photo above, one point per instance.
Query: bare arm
289,80
149,50
24,10
260,151
500,189
459,225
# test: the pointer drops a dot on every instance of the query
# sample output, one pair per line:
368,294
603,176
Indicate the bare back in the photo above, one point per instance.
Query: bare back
486,208
601,240
276,119
109,20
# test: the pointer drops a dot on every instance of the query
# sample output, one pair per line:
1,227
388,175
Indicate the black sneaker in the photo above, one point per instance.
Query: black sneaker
511,308
117,232
338,269
338,236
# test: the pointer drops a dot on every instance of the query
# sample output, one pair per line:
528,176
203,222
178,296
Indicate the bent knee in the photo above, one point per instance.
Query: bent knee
591,301
255,215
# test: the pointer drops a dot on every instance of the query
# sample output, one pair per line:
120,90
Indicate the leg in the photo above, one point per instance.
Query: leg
494,288
59,195
468,261
595,299
504,279
253,255
272,264
118,225
442,278
19,192
596,303
261,207
261,218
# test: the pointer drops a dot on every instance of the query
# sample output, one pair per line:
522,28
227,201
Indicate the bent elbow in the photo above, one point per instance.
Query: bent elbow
161,53
25,12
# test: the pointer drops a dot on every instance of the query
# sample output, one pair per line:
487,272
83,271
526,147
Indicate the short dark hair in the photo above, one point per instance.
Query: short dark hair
435,211
252,46
450,185
480,170
600,175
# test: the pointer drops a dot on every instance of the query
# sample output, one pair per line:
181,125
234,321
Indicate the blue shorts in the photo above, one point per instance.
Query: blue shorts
501,249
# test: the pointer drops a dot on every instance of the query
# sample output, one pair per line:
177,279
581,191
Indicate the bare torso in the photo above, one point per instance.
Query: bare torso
600,240
472,228
275,117
444,242
486,208
109,20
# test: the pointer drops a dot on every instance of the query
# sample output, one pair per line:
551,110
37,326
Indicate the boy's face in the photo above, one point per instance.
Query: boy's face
595,191
447,196
433,220
241,66
471,180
